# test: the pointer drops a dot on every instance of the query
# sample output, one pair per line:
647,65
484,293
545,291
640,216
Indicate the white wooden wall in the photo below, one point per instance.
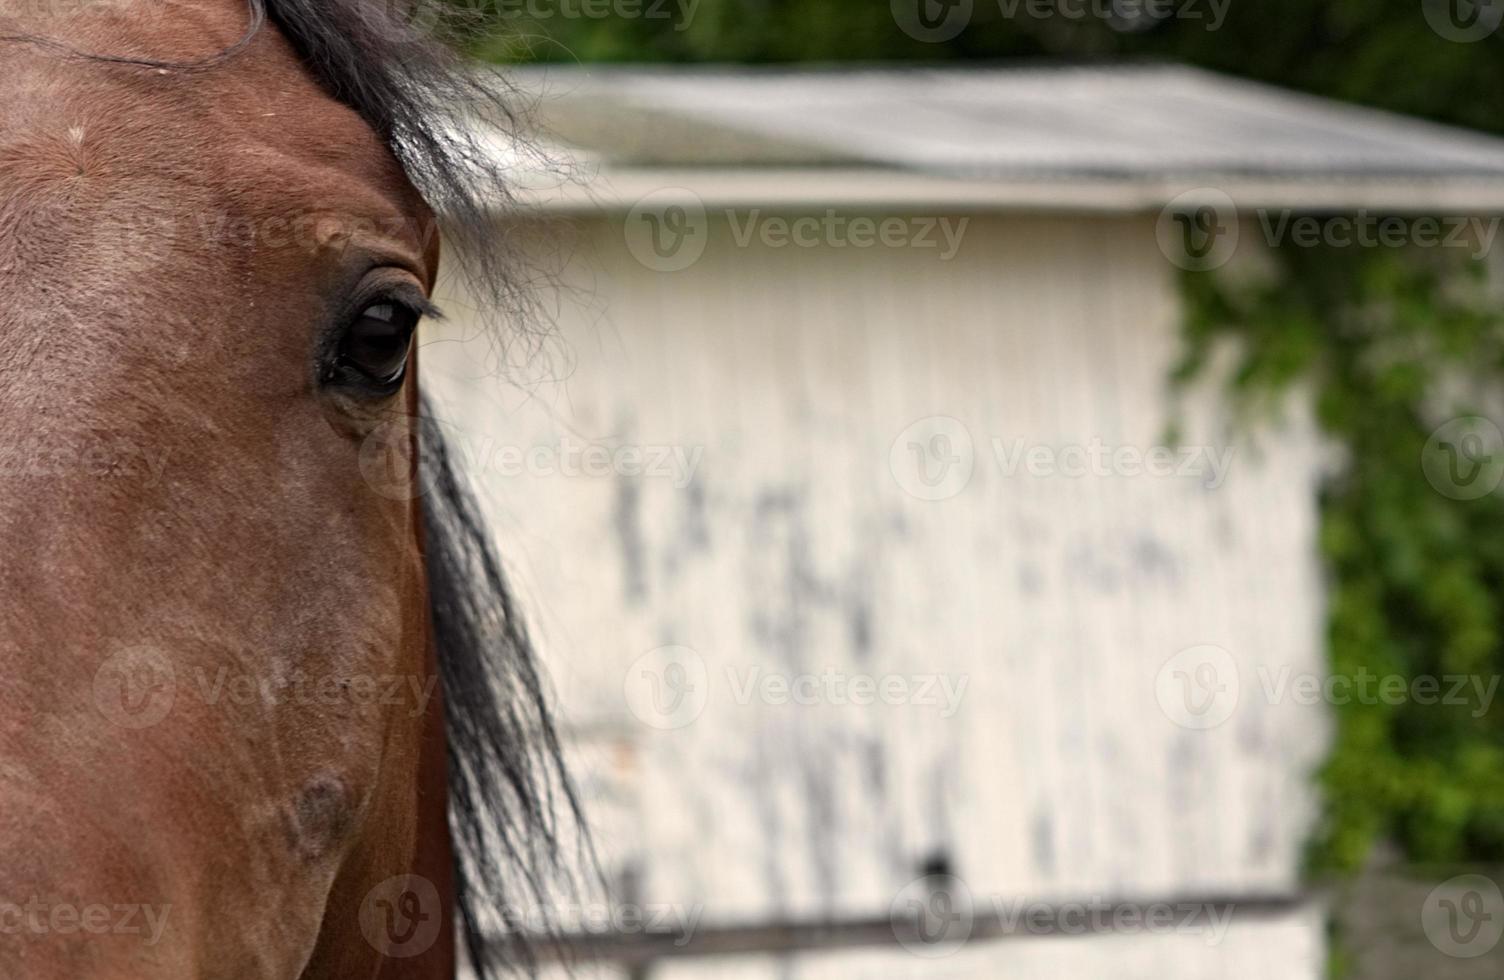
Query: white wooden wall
796,548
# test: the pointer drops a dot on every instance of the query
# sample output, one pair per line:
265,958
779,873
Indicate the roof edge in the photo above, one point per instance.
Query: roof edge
838,188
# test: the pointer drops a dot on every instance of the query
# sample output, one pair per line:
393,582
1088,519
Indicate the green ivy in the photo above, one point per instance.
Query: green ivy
1384,340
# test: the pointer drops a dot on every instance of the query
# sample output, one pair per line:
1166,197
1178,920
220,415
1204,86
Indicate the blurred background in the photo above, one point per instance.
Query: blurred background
1009,488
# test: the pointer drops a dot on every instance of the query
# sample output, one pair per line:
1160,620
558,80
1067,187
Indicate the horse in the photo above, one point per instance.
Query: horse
267,705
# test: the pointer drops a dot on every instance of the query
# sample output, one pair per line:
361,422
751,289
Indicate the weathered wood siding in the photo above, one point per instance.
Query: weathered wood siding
796,547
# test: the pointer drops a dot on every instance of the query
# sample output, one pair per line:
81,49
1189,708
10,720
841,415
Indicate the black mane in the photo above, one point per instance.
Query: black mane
507,782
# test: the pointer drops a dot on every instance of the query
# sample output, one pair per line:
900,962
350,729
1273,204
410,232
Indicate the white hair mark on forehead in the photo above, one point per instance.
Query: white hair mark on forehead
74,143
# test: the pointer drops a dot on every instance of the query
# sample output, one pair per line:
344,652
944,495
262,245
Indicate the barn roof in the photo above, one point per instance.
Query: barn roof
1095,138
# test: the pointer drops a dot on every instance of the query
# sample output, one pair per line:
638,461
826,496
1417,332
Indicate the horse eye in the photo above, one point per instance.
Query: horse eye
375,345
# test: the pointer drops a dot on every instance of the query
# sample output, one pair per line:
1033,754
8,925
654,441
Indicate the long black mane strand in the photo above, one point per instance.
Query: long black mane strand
512,806
507,782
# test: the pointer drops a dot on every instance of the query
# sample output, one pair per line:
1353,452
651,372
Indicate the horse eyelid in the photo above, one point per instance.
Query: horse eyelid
410,300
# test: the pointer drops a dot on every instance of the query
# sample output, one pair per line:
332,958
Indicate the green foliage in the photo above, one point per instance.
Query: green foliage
1383,339
1376,52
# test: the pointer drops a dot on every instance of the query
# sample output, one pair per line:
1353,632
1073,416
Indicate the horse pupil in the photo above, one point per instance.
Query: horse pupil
377,342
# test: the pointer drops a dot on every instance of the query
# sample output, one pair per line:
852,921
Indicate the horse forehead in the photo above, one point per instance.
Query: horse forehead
254,137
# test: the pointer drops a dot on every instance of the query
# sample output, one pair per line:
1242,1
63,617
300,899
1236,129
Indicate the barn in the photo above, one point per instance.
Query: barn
844,511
